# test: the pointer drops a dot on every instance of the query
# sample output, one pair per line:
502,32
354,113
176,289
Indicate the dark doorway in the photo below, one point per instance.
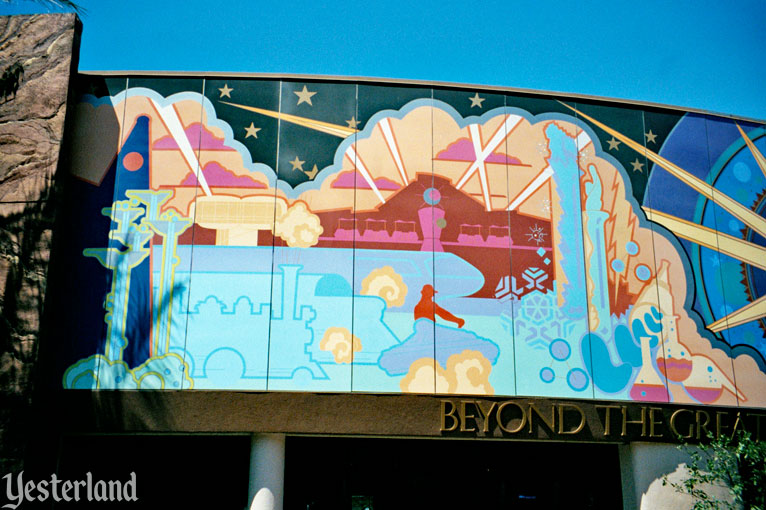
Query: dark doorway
171,471
384,474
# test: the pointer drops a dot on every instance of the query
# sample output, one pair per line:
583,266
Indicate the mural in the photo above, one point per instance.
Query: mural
318,236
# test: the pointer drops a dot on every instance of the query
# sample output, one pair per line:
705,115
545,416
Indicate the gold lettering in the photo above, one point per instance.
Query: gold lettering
486,413
551,424
504,426
465,416
652,421
626,421
737,422
719,426
673,423
702,426
445,415
561,419
608,418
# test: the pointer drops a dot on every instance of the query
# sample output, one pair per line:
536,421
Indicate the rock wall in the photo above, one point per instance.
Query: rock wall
38,56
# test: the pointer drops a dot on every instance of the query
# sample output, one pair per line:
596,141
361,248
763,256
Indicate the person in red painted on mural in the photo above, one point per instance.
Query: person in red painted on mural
427,308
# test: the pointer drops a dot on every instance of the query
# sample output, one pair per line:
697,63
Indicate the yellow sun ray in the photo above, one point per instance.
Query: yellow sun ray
756,153
739,249
742,213
317,125
750,312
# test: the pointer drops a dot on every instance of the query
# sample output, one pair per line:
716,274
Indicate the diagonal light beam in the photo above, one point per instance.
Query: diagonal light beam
742,213
393,148
739,249
500,135
750,312
170,118
317,125
473,131
756,153
354,157
533,186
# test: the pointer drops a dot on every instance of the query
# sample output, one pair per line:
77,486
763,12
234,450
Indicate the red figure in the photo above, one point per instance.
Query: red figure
426,308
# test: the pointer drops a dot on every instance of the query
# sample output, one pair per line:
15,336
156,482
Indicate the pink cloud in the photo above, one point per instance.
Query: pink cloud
217,176
462,150
208,141
346,180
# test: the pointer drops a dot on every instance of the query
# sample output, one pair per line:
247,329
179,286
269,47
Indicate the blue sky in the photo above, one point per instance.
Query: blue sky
700,54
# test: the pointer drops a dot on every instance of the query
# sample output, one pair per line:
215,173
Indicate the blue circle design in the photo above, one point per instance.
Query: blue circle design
547,375
560,349
118,379
643,272
734,226
577,379
631,248
167,371
618,265
432,196
742,171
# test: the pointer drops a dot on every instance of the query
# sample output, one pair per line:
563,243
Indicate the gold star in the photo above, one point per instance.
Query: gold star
225,91
613,143
637,166
312,173
252,131
304,96
476,100
297,164
650,137
353,123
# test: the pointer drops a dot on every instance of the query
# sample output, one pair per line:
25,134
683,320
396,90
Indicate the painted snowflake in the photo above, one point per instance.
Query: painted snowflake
536,234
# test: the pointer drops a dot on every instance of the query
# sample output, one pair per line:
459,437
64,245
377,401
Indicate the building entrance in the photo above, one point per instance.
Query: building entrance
382,474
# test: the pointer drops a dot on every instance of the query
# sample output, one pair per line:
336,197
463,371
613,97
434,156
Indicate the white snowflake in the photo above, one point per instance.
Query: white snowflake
536,234
545,205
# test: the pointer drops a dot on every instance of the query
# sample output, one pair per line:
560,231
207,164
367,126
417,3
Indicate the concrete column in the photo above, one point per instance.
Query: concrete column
642,467
267,472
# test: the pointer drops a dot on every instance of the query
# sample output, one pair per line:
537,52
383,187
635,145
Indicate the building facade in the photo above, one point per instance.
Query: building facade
316,275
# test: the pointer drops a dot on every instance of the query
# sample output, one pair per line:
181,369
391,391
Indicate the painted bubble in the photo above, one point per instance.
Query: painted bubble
560,349
643,272
577,379
618,266
631,248
547,375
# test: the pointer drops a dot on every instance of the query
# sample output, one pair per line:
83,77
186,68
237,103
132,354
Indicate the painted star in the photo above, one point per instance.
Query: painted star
613,143
297,164
637,166
312,173
650,137
225,91
252,131
304,96
353,123
476,100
